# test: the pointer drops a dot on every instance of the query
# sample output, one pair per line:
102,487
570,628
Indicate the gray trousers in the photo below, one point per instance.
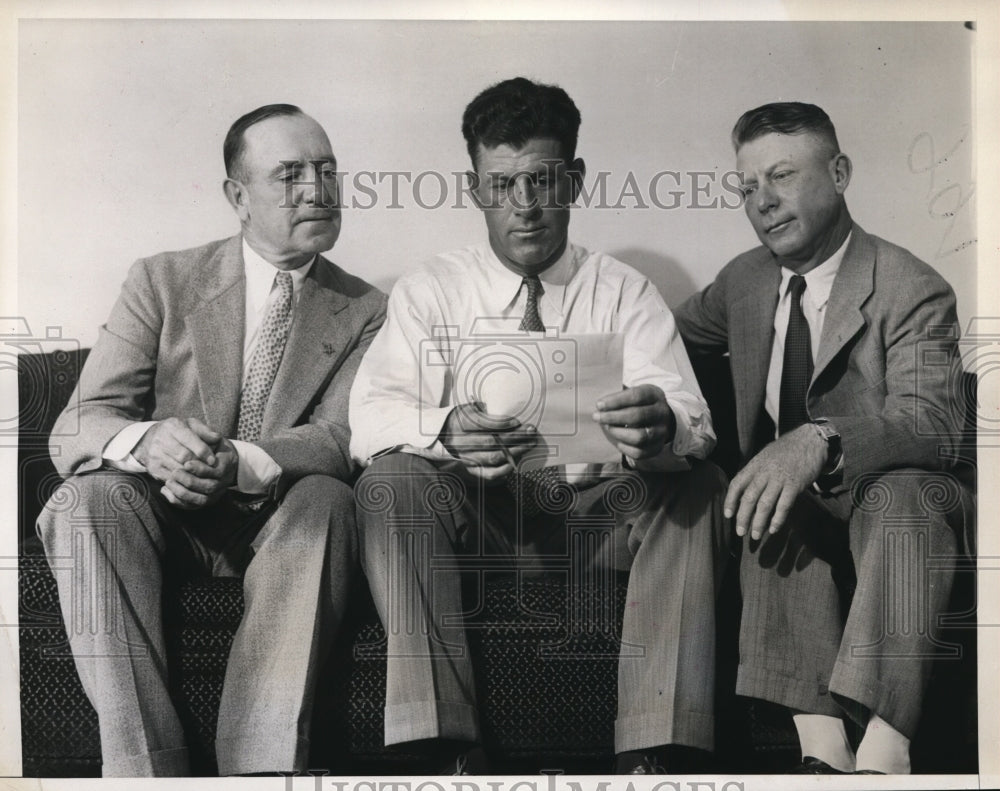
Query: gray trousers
418,525
804,646
108,537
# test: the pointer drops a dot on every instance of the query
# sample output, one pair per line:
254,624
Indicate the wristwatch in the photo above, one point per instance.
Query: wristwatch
834,450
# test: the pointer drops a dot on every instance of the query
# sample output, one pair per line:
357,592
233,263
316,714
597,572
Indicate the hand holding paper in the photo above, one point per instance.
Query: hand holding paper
555,387
486,443
637,421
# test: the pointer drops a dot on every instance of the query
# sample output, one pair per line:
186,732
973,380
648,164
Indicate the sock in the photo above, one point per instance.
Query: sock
824,737
884,749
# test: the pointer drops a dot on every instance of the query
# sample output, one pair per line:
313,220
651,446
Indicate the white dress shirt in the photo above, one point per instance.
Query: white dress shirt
256,471
400,402
819,283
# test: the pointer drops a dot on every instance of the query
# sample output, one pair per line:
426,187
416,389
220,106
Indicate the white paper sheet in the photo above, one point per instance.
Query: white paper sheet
553,383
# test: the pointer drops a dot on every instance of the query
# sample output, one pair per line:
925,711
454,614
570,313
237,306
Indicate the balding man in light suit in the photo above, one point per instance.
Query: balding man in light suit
213,439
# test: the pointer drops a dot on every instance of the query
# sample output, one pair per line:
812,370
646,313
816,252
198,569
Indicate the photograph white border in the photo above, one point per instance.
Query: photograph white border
987,121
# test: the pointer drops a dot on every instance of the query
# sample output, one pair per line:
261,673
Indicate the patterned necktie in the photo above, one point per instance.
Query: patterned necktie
532,322
797,368
530,487
266,359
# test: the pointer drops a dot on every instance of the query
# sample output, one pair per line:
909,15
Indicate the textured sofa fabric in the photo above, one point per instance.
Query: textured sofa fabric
544,689
547,690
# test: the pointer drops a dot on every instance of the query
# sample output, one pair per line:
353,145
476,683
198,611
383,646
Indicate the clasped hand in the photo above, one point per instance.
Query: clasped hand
195,463
764,491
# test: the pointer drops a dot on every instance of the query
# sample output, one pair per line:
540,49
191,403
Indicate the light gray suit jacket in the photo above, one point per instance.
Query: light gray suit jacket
173,347
882,376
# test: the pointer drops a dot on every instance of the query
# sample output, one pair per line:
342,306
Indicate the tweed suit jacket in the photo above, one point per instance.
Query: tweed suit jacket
886,372
173,347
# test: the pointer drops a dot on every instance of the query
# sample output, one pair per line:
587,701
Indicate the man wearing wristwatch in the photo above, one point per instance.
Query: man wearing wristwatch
843,349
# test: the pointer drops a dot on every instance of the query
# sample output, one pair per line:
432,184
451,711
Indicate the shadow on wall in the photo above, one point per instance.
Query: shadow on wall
384,283
670,279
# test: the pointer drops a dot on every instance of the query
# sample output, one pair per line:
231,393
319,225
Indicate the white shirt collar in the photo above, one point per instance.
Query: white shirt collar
819,281
260,276
506,284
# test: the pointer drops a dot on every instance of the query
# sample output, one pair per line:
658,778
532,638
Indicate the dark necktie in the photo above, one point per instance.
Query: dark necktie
265,362
797,368
532,322
530,487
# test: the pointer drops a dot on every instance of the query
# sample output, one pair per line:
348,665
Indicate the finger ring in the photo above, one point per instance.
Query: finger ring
649,432
625,426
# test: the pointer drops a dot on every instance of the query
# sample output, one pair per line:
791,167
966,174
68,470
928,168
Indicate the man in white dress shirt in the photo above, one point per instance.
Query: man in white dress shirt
449,463
213,439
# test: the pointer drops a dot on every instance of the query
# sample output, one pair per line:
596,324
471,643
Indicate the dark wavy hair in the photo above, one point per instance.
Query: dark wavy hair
787,118
515,111
232,146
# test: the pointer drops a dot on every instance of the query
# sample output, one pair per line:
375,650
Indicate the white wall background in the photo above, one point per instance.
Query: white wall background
121,126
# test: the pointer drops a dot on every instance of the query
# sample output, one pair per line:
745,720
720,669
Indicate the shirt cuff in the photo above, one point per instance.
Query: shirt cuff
436,452
118,452
666,460
421,439
829,480
256,471
431,425
673,456
693,435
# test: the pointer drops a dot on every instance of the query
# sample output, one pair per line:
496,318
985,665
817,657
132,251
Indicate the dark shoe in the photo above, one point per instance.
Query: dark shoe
675,759
814,766
638,763
868,772
461,765
470,762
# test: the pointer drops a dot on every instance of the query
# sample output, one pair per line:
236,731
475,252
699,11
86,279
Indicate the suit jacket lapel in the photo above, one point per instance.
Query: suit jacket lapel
851,288
216,334
315,344
751,336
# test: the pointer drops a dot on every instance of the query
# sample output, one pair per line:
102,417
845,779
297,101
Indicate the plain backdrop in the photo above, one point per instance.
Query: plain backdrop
121,125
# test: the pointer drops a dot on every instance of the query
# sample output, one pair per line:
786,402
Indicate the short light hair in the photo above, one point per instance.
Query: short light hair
787,118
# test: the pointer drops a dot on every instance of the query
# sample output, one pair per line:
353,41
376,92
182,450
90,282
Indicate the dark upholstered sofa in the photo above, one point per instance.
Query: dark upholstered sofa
547,687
